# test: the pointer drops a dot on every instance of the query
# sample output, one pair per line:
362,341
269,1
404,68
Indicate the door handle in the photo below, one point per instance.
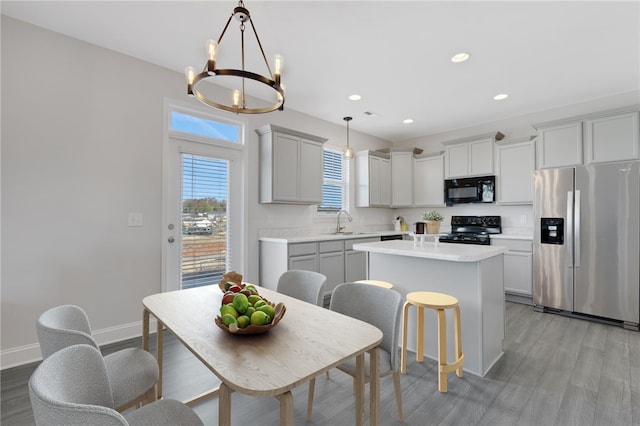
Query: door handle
171,240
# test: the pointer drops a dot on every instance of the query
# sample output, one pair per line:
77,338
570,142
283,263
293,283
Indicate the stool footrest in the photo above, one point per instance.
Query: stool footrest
448,368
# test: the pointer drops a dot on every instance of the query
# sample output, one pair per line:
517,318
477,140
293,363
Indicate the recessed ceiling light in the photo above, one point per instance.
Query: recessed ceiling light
500,96
355,97
407,120
460,57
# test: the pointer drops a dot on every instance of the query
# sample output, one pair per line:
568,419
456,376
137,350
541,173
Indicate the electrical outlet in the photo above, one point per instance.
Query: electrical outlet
136,219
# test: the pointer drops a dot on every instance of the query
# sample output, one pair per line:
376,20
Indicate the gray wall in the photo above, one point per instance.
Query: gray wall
82,132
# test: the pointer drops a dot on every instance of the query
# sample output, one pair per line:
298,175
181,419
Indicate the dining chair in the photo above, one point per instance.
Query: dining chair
71,387
133,372
380,307
303,285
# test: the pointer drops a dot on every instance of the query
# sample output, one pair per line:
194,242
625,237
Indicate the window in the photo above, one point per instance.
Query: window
335,187
204,220
188,123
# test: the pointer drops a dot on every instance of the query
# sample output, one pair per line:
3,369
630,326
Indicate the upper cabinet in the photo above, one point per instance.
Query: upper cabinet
373,179
560,145
611,138
515,162
469,156
290,166
595,138
428,178
402,177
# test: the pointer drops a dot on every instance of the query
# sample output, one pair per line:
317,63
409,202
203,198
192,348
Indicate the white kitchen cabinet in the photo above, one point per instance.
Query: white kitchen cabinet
469,156
331,263
600,137
373,179
518,269
560,145
303,256
612,138
515,164
428,178
290,166
355,262
402,178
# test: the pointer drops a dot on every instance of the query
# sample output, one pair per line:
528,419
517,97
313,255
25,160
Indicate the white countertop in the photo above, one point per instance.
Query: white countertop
449,252
328,236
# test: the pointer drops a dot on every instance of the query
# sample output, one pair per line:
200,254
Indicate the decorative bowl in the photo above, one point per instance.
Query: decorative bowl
255,329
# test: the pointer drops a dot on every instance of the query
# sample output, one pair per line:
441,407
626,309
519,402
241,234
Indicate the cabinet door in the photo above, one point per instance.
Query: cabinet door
518,273
311,177
612,138
481,157
285,167
560,146
401,179
428,186
515,173
305,263
355,265
385,182
332,266
457,160
375,179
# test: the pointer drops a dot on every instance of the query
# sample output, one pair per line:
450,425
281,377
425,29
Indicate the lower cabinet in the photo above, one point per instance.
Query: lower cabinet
518,269
336,259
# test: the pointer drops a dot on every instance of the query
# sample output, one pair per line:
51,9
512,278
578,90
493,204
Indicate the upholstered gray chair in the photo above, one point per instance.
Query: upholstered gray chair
71,387
303,285
133,372
382,308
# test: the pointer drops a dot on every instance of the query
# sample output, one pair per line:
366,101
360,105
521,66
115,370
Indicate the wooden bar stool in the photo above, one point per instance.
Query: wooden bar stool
439,302
384,284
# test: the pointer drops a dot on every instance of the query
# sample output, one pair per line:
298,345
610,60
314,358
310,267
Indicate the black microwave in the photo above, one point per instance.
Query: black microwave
470,190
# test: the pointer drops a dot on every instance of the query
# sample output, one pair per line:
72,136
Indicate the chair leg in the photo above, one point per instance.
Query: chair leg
420,335
398,391
458,338
312,386
403,353
442,350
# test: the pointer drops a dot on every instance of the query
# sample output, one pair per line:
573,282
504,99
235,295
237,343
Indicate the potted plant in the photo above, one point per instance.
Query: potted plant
433,219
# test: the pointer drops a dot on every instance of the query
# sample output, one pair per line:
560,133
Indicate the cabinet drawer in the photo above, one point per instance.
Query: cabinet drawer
329,246
302,249
348,244
514,245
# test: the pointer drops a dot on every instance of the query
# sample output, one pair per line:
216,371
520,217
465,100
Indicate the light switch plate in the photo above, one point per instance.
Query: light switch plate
136,219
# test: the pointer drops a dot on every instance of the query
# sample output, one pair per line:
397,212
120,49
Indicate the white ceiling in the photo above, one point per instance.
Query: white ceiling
395,54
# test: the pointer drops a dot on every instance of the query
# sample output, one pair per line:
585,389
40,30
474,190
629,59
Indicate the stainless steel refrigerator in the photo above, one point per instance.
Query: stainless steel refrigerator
586,252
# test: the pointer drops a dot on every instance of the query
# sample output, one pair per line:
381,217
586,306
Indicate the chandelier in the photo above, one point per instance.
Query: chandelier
237,101
347,151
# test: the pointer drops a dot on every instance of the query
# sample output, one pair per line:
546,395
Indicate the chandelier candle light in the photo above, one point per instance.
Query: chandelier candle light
348,151
238,100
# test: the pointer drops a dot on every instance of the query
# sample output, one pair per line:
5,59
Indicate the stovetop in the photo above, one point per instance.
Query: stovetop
472,229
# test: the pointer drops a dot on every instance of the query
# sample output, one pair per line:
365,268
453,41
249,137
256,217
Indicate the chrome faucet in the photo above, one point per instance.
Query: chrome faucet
338,227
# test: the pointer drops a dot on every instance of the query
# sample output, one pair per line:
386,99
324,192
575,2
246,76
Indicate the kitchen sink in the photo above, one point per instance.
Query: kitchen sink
350,233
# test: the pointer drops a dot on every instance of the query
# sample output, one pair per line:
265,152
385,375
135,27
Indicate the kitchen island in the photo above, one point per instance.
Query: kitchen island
471,273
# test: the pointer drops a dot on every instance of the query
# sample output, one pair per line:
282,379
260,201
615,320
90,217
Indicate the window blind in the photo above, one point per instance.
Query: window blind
205,183
334,193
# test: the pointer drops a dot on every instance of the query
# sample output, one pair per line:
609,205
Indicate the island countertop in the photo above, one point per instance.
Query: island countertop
440,251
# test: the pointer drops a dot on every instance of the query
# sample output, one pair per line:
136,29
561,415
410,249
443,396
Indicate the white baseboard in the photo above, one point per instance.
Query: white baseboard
27,354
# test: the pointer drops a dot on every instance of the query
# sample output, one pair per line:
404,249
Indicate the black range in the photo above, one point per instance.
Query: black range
472,229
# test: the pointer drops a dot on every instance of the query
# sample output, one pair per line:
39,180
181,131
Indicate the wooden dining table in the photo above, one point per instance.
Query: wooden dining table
308,341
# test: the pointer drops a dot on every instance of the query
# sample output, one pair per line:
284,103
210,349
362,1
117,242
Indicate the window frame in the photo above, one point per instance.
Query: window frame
343,183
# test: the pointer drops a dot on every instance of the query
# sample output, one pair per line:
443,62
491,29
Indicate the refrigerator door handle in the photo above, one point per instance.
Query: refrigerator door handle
569,228
576,227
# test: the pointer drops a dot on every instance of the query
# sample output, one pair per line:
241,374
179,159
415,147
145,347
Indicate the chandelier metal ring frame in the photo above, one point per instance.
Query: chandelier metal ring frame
239,104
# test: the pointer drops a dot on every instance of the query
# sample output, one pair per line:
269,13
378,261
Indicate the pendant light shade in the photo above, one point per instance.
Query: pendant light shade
347,151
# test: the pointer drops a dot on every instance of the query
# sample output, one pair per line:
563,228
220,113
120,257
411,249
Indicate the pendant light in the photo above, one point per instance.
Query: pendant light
347,151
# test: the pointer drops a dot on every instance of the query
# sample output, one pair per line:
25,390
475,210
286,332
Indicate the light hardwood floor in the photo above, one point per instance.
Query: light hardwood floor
555,371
